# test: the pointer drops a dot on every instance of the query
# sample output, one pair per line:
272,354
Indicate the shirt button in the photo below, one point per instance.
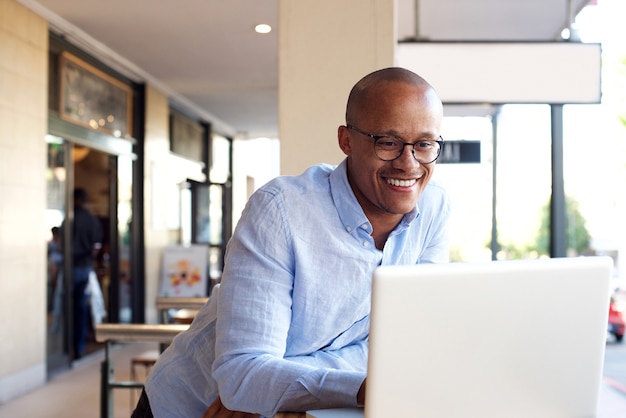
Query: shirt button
366,244
365,227
349,228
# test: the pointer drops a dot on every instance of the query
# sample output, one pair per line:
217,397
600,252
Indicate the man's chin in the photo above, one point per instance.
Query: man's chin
402,210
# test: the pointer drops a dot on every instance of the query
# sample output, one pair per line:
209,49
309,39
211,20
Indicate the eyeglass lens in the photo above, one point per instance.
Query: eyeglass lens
389,148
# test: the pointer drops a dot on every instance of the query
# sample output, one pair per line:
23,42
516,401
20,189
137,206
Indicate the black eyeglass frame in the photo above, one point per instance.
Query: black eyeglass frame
376,138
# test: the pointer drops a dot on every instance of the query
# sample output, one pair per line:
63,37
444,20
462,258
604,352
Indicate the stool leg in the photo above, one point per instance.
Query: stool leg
132,391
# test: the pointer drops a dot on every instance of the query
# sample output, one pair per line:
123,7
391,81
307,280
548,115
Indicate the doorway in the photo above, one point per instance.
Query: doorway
72,165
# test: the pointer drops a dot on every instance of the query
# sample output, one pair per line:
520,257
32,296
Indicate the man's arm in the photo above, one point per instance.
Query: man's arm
218,410
255,315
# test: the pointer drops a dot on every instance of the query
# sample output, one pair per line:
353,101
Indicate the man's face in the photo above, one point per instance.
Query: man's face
391,188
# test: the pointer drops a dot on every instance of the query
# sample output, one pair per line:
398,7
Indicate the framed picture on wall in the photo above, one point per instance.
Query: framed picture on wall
92,98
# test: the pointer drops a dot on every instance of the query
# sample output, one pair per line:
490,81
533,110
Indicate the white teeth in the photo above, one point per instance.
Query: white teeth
401,183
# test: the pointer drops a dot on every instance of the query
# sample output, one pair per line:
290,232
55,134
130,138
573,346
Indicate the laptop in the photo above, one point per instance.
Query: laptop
521,338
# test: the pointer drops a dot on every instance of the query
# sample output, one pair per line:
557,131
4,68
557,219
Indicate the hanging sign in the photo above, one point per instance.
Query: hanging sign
460,152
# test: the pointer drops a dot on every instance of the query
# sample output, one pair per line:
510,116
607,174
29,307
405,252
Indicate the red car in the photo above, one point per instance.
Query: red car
616,319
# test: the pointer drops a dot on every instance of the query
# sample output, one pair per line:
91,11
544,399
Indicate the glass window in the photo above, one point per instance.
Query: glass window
470,189
523,178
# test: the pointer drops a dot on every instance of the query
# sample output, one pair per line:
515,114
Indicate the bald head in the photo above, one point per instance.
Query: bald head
360,92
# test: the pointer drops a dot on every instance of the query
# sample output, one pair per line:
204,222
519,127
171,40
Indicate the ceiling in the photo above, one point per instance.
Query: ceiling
206,56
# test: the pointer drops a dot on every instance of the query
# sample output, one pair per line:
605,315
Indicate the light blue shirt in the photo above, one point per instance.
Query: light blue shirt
287,328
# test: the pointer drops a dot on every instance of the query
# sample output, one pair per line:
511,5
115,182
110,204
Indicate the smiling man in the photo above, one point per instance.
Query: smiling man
383,108
287,328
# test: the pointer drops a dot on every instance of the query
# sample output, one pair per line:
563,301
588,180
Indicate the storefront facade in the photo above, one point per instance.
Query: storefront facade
71,121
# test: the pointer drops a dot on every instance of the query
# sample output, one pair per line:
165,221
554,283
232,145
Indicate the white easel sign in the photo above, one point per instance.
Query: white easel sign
184,271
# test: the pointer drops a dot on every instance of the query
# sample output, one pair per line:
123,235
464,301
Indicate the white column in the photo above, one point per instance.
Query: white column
325,46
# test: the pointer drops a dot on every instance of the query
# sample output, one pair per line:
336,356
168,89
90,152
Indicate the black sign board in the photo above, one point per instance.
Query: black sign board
460,152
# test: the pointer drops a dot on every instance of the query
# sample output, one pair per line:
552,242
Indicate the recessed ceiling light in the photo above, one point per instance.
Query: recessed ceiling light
262,28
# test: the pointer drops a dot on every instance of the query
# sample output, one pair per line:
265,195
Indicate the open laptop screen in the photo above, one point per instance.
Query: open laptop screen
495,339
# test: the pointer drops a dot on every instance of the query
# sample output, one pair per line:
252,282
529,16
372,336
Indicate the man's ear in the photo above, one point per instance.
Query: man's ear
345,141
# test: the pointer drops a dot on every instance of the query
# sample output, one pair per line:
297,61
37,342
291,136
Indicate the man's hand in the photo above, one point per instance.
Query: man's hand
217,410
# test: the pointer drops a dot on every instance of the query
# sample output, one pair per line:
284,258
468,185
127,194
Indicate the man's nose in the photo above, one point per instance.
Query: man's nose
408,153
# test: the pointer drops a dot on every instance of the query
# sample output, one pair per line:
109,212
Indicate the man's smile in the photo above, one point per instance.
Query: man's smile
400,182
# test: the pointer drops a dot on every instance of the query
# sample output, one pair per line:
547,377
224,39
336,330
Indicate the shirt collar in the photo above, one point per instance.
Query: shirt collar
349,209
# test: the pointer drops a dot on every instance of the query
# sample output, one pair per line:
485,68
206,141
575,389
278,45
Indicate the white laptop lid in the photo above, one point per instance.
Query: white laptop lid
499,339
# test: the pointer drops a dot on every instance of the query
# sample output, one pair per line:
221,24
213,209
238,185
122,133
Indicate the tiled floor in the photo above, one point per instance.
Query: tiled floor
76,393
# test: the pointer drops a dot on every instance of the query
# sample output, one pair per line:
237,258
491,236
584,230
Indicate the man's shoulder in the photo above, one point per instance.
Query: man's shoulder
434,194
312,178
436,187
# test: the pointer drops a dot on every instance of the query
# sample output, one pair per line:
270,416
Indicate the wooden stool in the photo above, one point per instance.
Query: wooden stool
145,360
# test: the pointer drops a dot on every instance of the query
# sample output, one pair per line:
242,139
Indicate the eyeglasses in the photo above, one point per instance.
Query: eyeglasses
389,148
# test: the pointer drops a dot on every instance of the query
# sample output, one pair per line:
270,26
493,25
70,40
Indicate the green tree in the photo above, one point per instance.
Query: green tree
577,235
